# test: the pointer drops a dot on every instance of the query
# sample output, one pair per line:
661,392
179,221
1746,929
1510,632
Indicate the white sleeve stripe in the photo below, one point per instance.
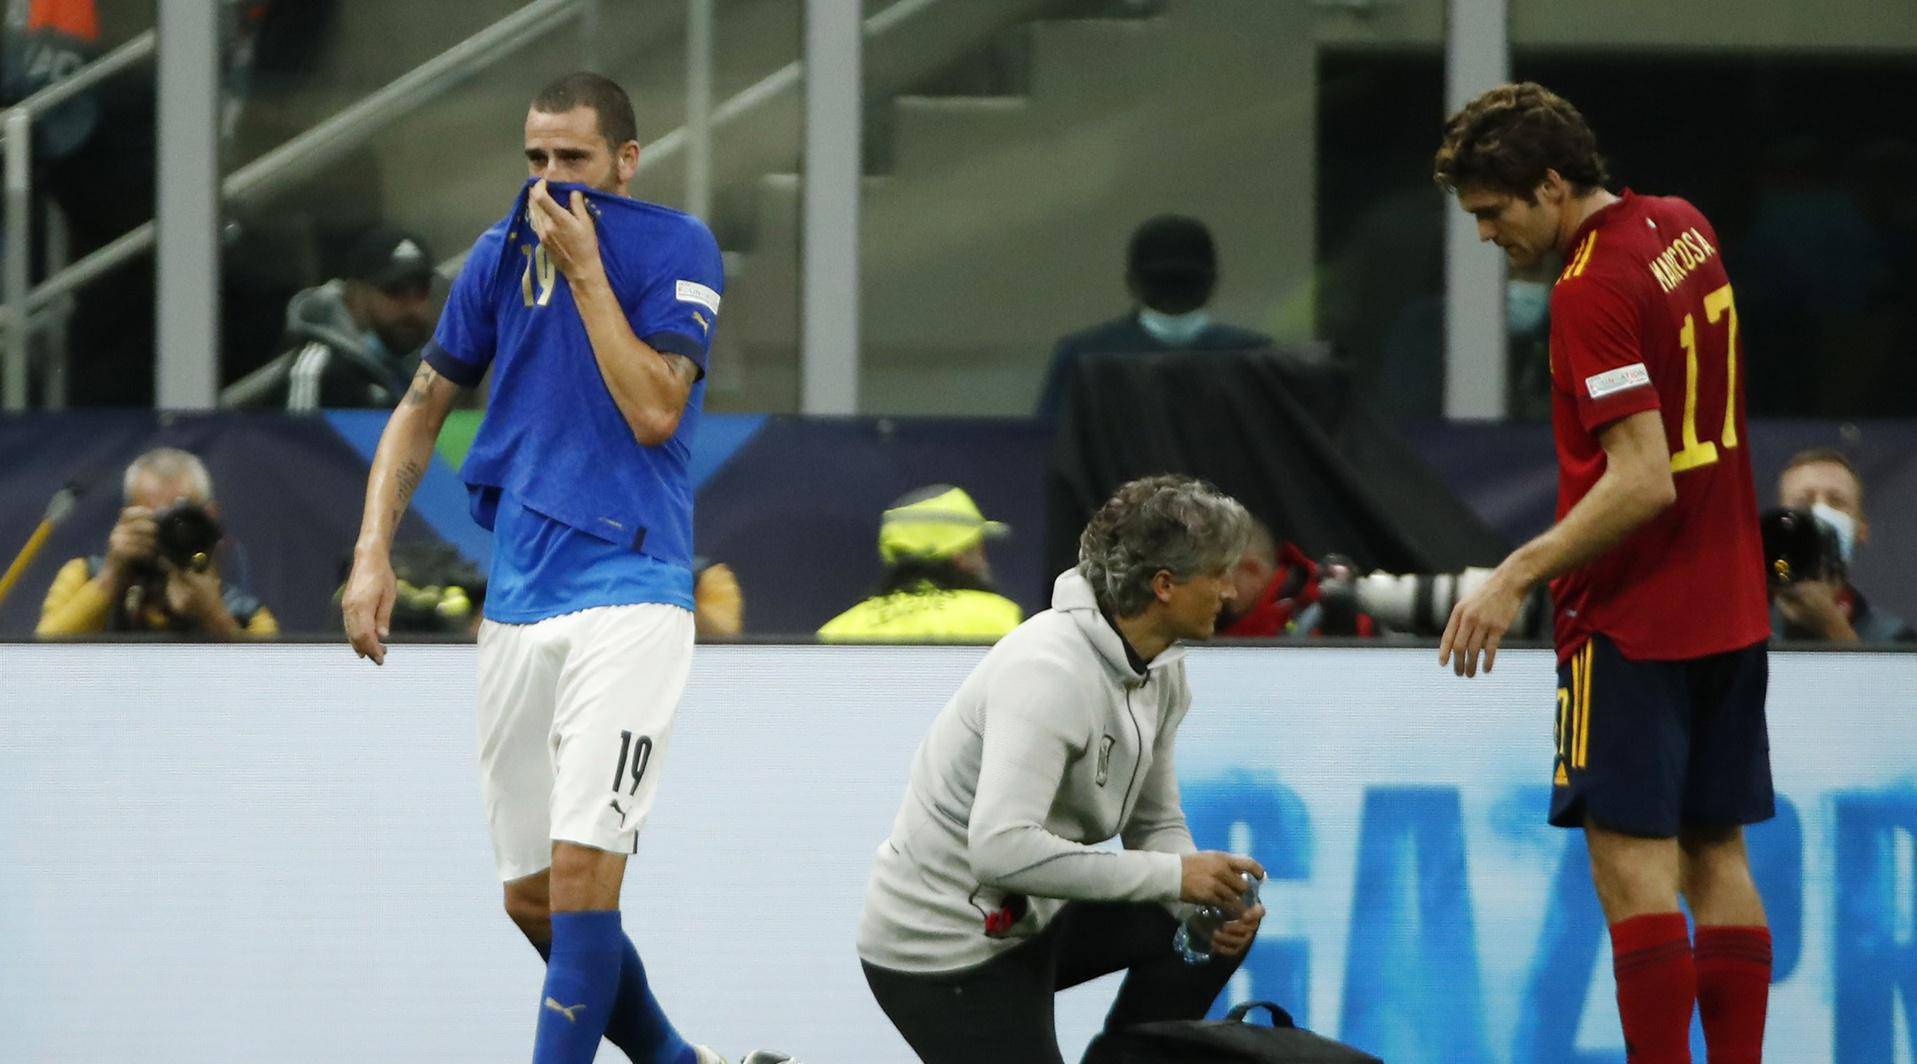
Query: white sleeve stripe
303,392
1617,380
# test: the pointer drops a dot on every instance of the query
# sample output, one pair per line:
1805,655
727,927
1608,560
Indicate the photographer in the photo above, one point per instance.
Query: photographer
161,569
1824,483
1281,591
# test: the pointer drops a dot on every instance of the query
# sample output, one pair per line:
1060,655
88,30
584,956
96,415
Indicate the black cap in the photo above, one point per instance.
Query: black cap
386,257
1172,243
1171,264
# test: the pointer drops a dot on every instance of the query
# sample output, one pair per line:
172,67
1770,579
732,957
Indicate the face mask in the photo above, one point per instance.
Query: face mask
1841,523
1526,304
1174,330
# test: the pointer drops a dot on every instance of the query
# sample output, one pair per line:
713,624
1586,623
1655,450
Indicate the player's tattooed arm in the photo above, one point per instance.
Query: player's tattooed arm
405,481
405,452
428,386
650,387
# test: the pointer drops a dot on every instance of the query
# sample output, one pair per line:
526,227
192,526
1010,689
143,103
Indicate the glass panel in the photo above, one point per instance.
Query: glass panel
92,173
1788,127
1015,146
1381,223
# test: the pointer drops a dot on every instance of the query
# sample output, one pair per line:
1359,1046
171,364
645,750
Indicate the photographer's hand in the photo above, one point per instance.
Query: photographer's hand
131,544
1812,606
195,594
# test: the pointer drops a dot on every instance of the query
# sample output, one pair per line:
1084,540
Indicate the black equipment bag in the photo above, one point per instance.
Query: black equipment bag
1227,1041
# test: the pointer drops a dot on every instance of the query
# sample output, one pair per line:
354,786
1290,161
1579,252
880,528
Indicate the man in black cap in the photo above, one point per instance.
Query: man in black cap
1171,269
354,341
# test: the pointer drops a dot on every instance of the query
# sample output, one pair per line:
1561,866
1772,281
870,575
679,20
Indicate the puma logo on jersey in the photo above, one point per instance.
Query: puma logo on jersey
701,319
622,813
1105,759
565,1010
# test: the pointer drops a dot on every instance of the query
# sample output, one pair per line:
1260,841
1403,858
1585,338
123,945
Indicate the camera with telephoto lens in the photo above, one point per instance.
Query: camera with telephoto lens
1414,603
186,535
1798,547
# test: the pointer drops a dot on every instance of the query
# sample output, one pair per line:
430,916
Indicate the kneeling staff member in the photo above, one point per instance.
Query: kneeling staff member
988,897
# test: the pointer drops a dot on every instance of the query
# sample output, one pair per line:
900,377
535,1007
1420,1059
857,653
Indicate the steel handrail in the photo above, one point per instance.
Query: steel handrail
339,134
126,56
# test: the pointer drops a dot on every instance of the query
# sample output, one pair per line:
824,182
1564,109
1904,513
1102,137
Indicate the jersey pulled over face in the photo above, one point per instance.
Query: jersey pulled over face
1643,317
568,146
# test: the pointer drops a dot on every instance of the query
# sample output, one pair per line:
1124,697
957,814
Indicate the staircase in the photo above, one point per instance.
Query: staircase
1011,147
996,223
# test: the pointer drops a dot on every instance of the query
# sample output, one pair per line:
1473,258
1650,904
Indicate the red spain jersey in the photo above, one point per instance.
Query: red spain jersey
1643,318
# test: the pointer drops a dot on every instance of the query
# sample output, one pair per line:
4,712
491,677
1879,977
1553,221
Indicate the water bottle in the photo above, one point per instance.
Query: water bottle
1192,940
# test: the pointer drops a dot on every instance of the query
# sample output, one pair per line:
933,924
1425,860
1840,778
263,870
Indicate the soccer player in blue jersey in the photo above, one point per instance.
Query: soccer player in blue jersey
594,312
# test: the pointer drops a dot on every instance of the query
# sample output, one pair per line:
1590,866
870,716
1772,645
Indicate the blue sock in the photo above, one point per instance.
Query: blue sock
582,979
638,1025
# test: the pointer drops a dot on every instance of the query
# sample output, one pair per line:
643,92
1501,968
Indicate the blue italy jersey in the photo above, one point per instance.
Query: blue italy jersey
542,569
553,442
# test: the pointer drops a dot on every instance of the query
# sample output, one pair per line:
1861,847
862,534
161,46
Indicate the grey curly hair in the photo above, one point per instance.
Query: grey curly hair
1178,524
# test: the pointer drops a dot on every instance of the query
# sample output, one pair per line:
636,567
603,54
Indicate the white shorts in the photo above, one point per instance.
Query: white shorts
574,714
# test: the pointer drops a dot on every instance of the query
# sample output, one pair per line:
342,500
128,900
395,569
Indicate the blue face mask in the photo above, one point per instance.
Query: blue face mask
1526,306
1173,330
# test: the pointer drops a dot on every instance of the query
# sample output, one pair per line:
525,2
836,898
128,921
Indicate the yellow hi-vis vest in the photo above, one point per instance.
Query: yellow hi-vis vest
929,615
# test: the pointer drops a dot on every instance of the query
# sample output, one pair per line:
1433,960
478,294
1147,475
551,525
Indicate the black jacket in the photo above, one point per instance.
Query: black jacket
331,362
1125,336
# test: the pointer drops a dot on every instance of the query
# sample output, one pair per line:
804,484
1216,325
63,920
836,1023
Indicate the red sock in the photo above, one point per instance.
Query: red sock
1656,987
1733,990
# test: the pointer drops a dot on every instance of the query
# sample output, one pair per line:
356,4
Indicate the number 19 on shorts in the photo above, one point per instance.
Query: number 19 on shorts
636,753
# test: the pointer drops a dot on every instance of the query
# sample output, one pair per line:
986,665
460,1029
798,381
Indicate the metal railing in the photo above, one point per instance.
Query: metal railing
704,119
23,305
258,180
16,127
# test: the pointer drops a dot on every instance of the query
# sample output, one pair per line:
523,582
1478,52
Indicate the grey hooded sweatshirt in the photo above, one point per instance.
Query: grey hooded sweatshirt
1053,744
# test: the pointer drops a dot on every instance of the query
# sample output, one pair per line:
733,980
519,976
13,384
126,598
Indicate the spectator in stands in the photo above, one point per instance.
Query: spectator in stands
355,341
162,570
1277,594
1171,269
937,585
1824,481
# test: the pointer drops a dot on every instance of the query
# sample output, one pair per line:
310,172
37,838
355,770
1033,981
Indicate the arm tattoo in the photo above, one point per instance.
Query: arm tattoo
422,385
405,480
408,479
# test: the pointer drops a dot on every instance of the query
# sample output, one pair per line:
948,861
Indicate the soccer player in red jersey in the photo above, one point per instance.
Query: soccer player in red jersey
1655,565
